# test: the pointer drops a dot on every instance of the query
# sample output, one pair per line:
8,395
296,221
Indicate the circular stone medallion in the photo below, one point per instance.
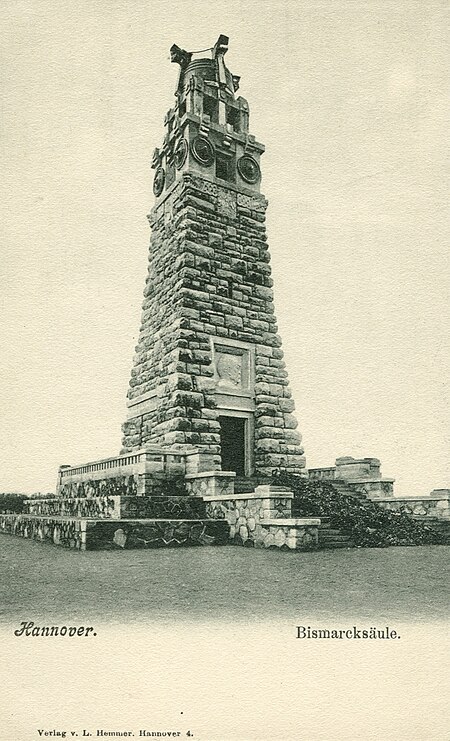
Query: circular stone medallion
248,169
158,182
202,151
181,154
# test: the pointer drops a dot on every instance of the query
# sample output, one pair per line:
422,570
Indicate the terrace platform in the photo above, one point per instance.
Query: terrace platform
105,534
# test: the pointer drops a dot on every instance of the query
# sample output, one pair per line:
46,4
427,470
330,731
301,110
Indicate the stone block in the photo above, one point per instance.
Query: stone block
188,399
293,437
287,405
290,421
230,516
200,203
291,450
280,537
214,318
272,339
264,350
207,438
265,422
215,240
243,532
273,401
274,460
199,249
269,540
264,293
170,438
276,389
296,459
233,322
268,445
178,423
261,326
267,410
210,414
274,433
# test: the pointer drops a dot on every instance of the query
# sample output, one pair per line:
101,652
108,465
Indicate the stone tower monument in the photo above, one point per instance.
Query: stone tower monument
208,370
210,413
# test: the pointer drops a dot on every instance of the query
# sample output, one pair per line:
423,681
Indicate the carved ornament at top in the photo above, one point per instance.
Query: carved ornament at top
219,72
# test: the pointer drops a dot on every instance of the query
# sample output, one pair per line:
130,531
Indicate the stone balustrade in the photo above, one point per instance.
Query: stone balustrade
143,467
361,475
322,474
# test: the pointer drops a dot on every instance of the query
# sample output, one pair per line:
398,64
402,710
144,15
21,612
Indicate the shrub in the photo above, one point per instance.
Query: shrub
368,524
11,502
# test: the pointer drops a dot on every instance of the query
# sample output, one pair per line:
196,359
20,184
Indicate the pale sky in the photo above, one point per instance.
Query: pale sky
351,101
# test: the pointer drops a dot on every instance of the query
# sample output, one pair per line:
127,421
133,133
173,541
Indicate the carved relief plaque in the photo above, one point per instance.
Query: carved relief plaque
232,366
229,371
227,203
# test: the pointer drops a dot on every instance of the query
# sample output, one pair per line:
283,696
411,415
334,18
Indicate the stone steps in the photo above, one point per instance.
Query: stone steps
326,527
333,544
343,488
333,537
442,526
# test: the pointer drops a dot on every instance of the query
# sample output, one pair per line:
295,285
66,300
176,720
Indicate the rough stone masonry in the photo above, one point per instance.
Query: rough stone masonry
209,370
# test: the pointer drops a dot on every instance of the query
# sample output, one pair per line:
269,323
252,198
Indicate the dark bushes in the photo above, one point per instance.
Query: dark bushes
10,502
368,524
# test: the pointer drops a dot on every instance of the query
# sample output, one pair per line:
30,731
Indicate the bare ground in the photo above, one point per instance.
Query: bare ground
214,583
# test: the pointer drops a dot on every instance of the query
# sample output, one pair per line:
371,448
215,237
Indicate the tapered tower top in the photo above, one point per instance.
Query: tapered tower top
207,131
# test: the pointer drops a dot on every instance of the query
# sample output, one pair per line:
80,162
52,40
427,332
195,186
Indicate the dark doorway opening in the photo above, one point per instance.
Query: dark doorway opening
232,443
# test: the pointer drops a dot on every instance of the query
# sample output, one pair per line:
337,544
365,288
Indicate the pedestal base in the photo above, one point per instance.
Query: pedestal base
100,534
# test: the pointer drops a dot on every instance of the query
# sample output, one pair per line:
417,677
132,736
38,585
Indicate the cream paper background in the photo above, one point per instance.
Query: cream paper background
228,682
350,100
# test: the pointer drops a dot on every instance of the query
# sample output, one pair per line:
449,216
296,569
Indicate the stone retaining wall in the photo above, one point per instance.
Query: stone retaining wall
65,532
432,506
117,507
105,507
108,534
263,519
298,534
